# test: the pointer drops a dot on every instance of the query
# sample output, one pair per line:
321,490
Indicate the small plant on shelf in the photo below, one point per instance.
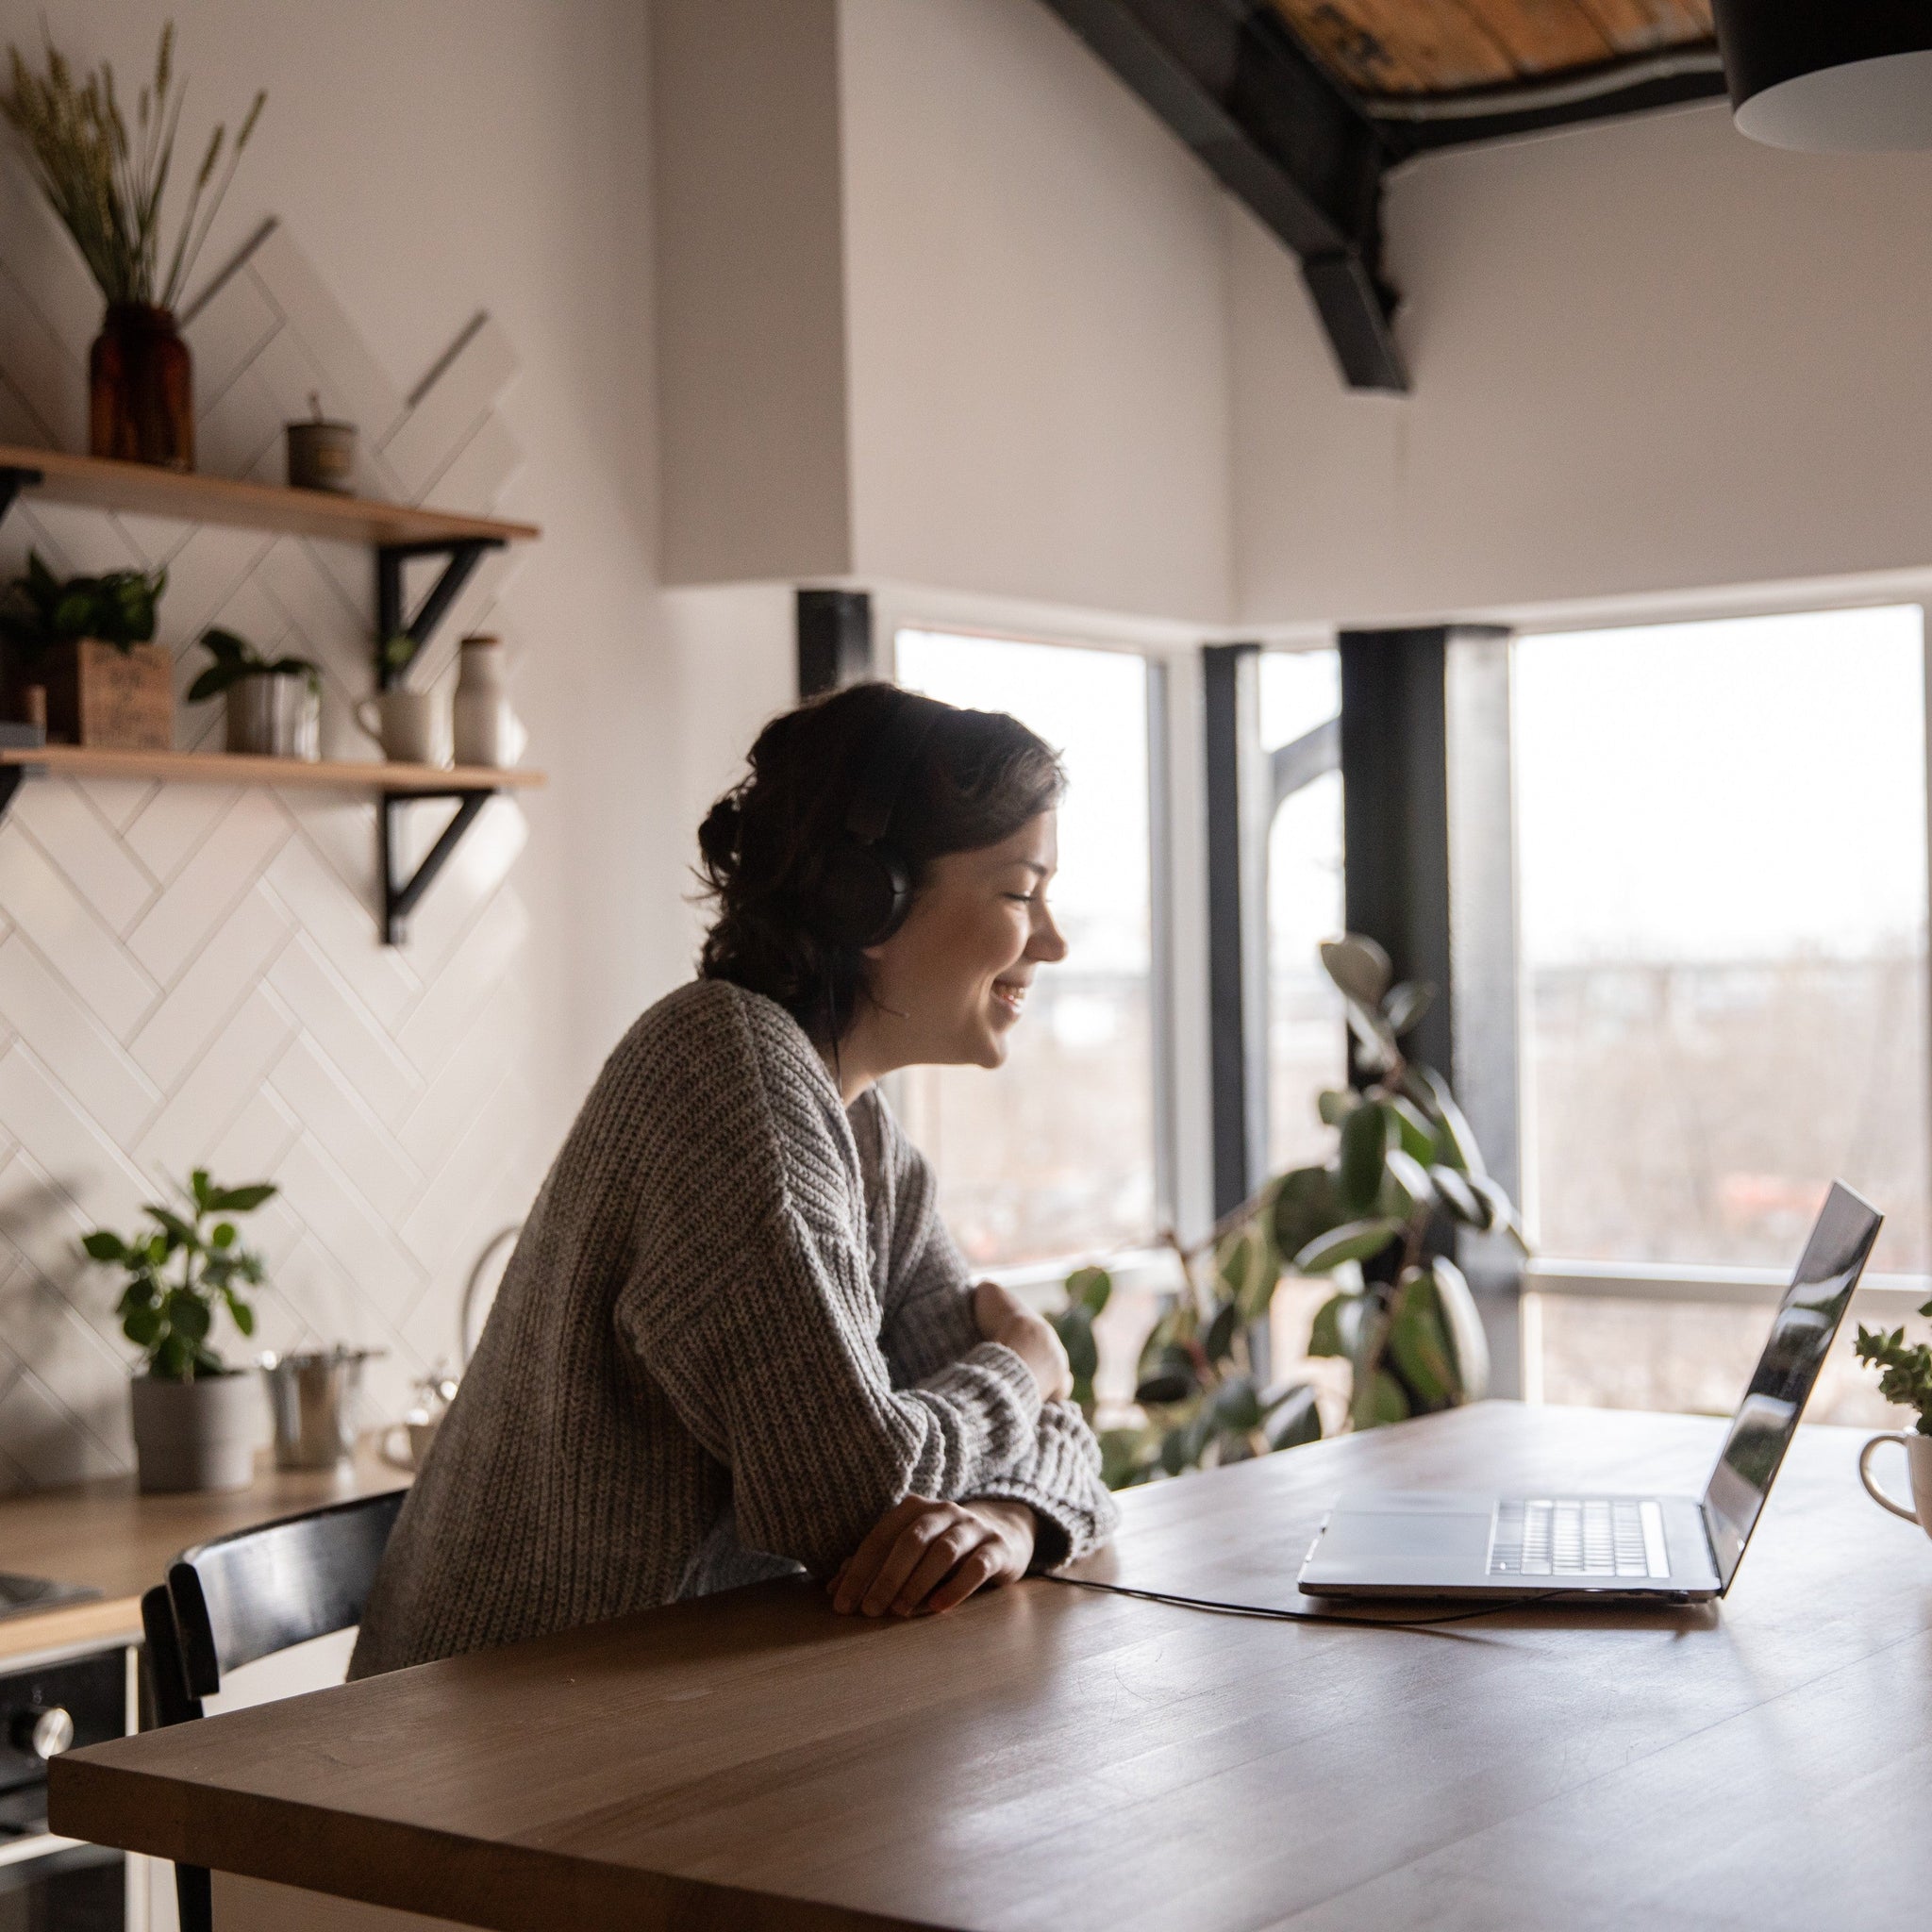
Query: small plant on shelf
106,181
195,1420
40,611
181,1272
236,659
1377,1221
1905,1371
88,641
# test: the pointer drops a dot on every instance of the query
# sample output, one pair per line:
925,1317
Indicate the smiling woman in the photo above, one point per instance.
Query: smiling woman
735,1339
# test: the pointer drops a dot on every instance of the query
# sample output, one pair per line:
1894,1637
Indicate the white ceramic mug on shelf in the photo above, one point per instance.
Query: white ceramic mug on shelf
1918,1450
411,726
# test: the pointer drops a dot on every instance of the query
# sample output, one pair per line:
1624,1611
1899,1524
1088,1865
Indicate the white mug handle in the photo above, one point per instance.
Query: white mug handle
405,1460
367,708
1872,1488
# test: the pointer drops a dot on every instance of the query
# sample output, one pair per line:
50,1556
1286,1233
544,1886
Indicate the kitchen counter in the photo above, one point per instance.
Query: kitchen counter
106,1535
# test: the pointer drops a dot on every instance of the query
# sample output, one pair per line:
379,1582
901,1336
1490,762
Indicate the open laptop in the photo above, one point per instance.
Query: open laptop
1599,1545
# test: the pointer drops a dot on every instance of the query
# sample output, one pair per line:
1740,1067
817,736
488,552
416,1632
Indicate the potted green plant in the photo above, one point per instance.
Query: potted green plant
88,641
274,705
1378,1219
197,1421
105,183
1904,1376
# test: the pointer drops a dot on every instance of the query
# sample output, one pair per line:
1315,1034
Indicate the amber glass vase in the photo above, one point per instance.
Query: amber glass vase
140,388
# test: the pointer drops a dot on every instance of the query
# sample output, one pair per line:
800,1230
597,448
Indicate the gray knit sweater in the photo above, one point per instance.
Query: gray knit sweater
734,1333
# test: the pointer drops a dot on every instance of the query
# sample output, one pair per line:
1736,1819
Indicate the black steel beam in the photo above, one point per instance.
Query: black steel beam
1395,813
1231,82
835,640
1239,795
1501,120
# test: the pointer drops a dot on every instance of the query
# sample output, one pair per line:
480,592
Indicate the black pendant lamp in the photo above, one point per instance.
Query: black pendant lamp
1830,75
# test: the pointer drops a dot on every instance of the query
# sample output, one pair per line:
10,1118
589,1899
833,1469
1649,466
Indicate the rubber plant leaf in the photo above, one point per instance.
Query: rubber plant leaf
1365,1136
1354,1240
1359,966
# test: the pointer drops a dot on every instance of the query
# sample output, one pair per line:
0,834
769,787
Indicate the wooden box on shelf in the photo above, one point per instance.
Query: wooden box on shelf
109,699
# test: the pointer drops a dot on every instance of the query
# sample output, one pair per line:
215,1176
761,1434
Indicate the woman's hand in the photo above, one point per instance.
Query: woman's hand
1003,1317
924,1557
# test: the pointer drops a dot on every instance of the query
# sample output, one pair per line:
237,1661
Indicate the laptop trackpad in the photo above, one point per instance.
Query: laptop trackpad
1403,1536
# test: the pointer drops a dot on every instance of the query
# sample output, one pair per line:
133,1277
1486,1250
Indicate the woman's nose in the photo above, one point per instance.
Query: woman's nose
1046,943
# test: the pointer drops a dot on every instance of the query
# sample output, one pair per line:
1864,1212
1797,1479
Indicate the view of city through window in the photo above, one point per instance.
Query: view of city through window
1301,690
1722,835
1054,1156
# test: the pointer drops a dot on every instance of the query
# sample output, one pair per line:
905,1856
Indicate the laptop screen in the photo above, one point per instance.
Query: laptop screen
1807,1317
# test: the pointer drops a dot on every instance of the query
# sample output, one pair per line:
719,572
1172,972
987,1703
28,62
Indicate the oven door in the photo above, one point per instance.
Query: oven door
51,1884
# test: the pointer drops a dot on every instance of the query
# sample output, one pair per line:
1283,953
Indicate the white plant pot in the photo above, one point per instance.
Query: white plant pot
198,1435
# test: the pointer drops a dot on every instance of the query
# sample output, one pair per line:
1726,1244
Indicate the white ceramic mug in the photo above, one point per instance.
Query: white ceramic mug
411,726
1918,1450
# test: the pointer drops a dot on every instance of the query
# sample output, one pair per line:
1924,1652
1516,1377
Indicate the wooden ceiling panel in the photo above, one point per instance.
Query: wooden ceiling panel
1644,26
1541,36
1399,46
1442,46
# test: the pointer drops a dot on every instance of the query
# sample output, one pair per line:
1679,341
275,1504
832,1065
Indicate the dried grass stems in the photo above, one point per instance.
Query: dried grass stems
108,188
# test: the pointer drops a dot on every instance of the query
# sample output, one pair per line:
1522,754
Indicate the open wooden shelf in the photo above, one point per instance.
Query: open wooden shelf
233,768
100,484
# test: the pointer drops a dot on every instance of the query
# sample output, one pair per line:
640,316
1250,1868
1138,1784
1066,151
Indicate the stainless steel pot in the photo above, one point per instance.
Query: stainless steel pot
313,1398
275,715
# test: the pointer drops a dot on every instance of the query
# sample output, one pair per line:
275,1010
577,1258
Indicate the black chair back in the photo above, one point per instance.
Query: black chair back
258,1590
246,1596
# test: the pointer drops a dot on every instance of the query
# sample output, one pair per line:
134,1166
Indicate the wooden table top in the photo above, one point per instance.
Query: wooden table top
1047,1758
105,1535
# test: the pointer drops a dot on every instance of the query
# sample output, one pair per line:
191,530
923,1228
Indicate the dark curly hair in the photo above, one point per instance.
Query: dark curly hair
978,777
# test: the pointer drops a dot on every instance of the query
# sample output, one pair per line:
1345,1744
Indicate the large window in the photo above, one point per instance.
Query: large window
1723,872
1301,701
1053,1156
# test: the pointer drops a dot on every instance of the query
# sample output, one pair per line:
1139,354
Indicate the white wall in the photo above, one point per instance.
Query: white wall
1036,319
1647,355
194,972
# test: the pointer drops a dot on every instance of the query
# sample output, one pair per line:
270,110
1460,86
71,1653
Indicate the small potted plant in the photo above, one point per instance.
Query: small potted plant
89,640
1904,1376
197,1421
104,181
274,705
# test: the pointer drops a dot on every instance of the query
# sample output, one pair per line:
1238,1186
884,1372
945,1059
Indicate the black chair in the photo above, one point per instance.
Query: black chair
240,1597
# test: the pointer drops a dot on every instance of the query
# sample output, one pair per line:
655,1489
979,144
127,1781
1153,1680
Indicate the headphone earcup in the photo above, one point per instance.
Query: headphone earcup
864,897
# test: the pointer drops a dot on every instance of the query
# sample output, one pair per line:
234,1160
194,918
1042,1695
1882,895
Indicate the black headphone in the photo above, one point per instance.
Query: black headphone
866,889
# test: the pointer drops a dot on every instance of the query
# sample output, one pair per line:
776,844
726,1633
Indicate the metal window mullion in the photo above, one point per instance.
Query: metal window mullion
1238,791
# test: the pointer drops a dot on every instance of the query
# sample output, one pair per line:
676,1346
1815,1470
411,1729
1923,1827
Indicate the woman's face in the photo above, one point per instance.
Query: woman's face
950,984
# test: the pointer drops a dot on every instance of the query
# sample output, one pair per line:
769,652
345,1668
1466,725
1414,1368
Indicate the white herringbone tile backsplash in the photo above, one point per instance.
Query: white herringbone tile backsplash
191,975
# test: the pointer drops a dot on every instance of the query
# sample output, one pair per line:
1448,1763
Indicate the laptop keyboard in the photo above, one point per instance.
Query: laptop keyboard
1578,1535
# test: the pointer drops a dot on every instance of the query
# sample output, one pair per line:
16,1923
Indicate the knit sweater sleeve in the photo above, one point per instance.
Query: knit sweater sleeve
929,1323
749,1300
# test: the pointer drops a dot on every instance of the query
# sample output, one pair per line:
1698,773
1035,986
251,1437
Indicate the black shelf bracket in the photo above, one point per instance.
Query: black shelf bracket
463,553
13,481
400,895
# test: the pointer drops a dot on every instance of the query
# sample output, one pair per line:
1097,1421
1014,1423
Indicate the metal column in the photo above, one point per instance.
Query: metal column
1428,817
1239,796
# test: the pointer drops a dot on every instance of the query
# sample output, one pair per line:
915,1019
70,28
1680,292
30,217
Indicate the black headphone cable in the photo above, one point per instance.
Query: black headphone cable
1271,1613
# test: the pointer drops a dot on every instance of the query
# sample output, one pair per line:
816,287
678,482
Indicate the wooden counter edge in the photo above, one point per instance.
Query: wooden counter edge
502,1887
101,1623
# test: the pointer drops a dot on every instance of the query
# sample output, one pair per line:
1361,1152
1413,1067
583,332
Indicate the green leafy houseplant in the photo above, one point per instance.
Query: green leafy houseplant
1377,1220
235,659
178,1274
1905,1374
39,611
106,182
